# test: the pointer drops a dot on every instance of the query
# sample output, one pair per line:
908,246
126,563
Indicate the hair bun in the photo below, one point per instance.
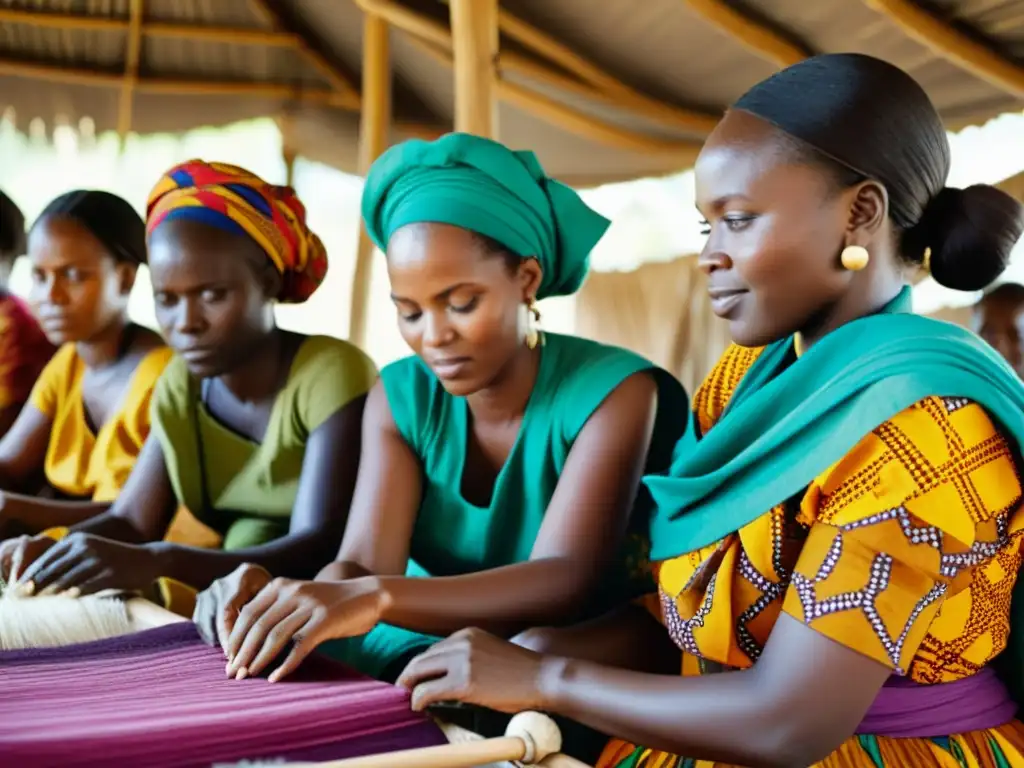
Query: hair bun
971,233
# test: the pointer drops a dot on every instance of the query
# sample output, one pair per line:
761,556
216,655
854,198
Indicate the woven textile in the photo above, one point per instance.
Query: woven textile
161,698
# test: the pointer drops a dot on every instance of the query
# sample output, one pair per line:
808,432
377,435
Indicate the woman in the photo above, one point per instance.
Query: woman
839,535
256,429
999,320
502,465
24,349
88,413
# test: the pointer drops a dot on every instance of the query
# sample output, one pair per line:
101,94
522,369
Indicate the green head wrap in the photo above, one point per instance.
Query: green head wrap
481,185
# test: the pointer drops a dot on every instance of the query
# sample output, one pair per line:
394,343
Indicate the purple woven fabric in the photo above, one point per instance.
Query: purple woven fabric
161,698
905,709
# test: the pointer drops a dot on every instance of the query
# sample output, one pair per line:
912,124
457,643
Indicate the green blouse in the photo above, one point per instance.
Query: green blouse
251,486
453,536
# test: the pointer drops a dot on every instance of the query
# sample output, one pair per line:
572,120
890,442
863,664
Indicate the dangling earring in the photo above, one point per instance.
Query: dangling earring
533,337
855,257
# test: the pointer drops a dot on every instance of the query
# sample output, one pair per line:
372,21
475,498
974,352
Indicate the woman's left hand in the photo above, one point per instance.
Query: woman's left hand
475,667
304,612
89,564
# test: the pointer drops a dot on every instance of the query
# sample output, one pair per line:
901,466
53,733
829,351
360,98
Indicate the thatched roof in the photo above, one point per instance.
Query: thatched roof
601,90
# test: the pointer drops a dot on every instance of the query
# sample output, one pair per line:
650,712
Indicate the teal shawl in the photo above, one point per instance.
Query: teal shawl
783,428
786,425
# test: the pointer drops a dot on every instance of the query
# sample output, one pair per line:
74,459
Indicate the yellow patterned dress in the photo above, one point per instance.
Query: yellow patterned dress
918,528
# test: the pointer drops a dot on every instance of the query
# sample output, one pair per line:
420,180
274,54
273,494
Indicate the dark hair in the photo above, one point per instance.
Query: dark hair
12,229
109,218
868,119
492,247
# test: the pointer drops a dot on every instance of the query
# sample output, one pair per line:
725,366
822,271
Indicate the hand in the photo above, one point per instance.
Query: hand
305,612
217,608
475,667
18,554
90,563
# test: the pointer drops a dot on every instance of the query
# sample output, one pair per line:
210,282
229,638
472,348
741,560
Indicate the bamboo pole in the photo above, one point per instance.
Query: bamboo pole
374,130
133,48
424,30
475,45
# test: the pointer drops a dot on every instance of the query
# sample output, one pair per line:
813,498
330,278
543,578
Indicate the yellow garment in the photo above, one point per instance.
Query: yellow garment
78,462
930,501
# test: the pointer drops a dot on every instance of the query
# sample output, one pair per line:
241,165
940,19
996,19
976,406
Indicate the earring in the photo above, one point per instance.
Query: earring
855,257
533,337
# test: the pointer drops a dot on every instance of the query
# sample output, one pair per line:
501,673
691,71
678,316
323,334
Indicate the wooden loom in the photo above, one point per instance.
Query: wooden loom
531,738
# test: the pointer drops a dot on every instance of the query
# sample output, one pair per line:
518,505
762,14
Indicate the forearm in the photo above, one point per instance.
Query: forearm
295,556
502,600
342,570
36,515
627,638
728,717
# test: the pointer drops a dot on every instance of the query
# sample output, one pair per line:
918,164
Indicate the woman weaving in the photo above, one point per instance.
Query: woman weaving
840,532
256,429
501,466
88,414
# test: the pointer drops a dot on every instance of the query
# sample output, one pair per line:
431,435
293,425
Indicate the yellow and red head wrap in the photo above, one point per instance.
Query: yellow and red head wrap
233,199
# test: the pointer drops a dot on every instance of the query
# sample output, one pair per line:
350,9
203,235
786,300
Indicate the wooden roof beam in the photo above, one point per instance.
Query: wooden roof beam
179,86
423,28
751,34
211,33
957,48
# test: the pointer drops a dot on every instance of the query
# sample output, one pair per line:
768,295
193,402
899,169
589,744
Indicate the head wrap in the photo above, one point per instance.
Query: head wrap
233,199
481,185
108,218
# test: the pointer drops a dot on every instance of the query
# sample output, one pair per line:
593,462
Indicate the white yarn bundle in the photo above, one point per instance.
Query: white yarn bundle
49,621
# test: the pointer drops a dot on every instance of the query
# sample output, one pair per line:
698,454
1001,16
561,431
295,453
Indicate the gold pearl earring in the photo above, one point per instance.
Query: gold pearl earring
533,337
855,257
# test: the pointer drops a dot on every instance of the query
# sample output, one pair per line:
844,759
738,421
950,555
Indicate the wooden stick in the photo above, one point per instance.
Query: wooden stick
954,46
531,737
475,46
374,131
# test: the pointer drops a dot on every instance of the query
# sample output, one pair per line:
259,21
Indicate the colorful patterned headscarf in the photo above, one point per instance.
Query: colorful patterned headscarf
233,199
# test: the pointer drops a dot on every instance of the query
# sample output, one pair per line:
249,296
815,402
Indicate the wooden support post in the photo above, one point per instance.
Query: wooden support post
131,70
475,44
374,133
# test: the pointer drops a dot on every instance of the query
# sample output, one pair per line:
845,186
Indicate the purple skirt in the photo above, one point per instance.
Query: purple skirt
161,698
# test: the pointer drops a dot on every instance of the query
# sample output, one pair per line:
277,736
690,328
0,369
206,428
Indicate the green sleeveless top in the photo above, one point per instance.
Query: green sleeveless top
250,486
453,536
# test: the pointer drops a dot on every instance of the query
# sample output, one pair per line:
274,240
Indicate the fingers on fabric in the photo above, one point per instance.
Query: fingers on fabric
434,677
54,561
263,632
251,619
